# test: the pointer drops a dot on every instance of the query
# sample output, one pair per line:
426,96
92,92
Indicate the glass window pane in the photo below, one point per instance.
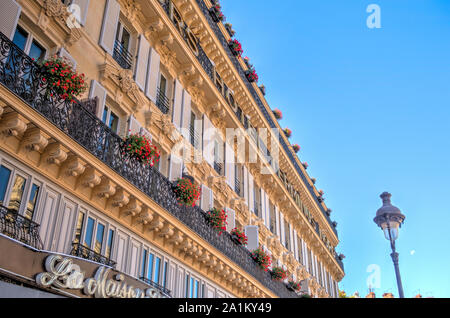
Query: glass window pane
105,114
125,40
99,238
20,38
165,274
144,263
191,287
150,267
31,205
110,243
187,286
89,233
79,228
113,122
163,85
157,266
37,51
17,193
5,173
195,289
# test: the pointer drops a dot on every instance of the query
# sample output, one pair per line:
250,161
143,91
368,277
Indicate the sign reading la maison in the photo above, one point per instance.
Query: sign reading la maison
63,273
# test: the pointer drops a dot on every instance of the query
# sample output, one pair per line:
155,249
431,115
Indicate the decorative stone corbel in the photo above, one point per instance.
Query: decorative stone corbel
156,225
13,124
74,166
35,139
167,230
177,237
120,198
133,208
90,178
106,188
55,153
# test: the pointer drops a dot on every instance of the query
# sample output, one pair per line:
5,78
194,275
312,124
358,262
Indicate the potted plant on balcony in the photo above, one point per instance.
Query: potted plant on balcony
218,219
186,192
305,295
320,196
229,28
294,286
61,80
287,132
239,236
216,12
247,62
335,224
251,75
313,180
261,258
341,257
236,47
278,114
305,165
140,148
278,273
263,89
329,212
296,148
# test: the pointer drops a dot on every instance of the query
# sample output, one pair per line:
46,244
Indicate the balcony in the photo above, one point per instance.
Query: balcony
19,228
21,75
122,56
86,253
162,289
162,102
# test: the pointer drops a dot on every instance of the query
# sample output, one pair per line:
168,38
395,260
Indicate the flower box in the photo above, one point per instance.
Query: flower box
235,47
278,114
140,148
305,165
262,259
295,287
251,75
186,192
278,273
229,29
288,132
61,80
216,13
239,237
296,148
217,219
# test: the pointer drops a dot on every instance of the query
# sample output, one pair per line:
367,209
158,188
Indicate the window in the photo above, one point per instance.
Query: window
192,287
151,267
19,192
258,207
110,119
27,43
286,235
95,235
163,85
273,220
299,248
122,47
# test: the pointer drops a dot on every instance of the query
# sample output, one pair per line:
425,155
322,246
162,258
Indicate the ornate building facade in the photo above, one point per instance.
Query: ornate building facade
72,204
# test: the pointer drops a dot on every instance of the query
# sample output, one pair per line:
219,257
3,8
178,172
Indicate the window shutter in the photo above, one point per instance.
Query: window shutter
153,75
252,233
83,6
9,16
283,237
186,115
64,54
109,27
176,168
208,141
267,209
295,245
121,251
291,238
263,206
99,91
229,165
140,74
207,200
277,220
133,126
177,105
231,219
251,192
246,185
133,270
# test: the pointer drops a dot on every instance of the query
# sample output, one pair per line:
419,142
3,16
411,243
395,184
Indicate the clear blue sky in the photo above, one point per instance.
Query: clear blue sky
371,110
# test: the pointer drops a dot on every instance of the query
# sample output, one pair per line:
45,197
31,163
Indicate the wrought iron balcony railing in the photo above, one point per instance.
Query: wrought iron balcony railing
237,187
194,137
86,253
21,76
162,102
122,56
19,228
162,289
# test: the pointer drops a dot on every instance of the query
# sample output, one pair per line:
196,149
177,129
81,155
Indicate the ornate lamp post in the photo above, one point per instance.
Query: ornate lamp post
389,219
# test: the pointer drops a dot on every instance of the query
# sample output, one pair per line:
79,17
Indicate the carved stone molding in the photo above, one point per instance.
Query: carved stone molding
106,188
120,198
90,178
55,153
133,208
74,166
35,139
13,124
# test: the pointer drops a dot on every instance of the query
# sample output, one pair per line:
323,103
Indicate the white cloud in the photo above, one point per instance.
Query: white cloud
412,252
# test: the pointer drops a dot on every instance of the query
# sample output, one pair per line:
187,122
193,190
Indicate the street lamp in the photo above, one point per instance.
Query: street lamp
390,219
